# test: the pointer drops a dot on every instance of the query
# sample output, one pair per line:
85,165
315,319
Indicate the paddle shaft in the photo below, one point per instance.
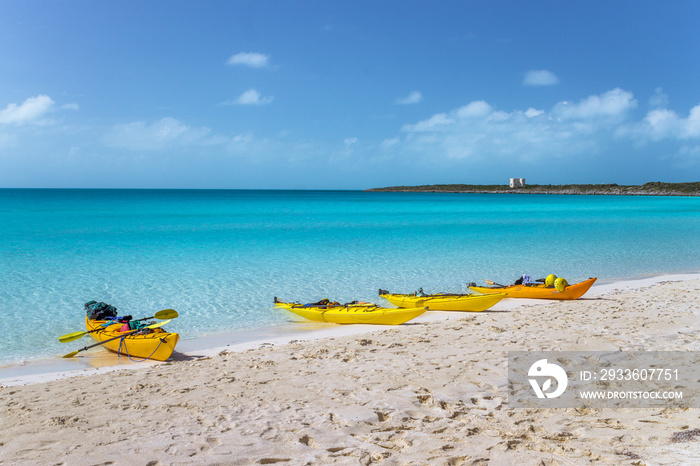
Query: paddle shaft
491,282
106,341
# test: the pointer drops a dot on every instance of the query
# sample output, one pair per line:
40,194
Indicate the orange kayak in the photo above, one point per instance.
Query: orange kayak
538,291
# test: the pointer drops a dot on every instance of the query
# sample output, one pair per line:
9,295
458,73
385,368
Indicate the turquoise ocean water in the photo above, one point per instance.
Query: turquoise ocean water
219,257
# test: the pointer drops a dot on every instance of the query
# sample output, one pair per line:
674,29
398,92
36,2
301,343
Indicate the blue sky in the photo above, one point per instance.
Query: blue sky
347,94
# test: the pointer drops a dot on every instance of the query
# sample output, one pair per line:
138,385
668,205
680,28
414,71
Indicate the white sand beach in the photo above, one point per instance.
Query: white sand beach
432,391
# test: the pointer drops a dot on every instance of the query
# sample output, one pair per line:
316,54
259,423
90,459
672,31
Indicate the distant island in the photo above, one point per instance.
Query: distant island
655,188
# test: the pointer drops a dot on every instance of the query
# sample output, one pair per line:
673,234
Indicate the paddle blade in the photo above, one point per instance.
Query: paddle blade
166,314
159,324
70,355
71,337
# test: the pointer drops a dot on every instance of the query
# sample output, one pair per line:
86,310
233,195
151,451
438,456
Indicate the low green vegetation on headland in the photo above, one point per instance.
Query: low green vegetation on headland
655,188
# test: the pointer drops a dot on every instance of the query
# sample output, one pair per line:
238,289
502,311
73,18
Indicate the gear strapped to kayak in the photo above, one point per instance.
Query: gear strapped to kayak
100,311
108,313
135,338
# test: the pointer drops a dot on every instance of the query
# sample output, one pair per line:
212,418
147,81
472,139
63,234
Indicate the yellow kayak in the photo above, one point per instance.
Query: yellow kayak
538,291
154,344
351,313
444,301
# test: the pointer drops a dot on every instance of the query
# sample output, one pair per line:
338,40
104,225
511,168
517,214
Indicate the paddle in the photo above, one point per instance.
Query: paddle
492,283
164,314
159,324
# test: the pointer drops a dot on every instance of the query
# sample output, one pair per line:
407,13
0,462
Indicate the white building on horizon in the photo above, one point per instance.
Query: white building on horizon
517,182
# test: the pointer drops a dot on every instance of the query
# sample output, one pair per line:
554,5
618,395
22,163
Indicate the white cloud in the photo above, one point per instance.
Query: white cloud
478,131
595,124
540,78
412,98
164,133
692,123
432,123
663,124
250,97
71,106
499,116
532,113
31,110
660,124
478,108
251,59
614,103
350,141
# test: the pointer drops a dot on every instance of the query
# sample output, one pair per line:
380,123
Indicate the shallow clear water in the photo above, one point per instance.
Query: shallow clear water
219,257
